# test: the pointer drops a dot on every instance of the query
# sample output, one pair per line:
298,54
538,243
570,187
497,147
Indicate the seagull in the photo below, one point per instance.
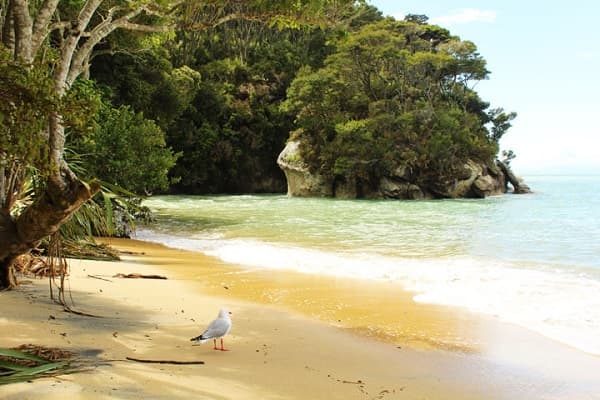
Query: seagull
216,329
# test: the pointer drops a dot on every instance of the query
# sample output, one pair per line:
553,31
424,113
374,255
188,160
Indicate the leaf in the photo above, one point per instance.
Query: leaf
42,369
11,366
20,355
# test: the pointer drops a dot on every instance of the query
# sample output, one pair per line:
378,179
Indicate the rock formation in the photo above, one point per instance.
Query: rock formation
478,180
300,181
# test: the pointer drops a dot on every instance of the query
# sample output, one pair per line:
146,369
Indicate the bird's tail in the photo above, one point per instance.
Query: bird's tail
198,339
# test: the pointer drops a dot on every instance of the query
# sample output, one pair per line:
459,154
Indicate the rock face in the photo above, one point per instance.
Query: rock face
477,180
300,181
393,189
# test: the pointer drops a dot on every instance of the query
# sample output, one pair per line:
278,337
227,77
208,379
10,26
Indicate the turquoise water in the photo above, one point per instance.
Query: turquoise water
533,260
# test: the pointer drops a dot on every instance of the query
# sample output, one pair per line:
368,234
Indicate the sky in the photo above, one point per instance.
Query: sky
544,58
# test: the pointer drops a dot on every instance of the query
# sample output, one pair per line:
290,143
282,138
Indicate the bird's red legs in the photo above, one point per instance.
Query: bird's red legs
222,348
215,344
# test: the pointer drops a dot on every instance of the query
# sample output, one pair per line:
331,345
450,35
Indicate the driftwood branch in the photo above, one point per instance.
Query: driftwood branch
99,277
83,314
139,276
165,361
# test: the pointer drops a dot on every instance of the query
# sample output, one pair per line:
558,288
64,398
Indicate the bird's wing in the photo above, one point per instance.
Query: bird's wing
219,327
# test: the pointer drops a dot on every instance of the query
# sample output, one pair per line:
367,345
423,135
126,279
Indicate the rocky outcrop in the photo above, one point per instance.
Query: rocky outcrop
519,187
394,189
300,181
477,180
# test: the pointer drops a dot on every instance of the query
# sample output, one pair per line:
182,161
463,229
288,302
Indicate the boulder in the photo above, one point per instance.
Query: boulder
486,185
463,187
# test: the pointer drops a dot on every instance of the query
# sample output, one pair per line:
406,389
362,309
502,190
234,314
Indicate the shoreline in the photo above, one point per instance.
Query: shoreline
284,344
556,301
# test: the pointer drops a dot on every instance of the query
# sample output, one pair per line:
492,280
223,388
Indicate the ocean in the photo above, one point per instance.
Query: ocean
531,260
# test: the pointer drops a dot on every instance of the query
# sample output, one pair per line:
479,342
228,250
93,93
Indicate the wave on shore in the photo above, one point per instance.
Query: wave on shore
562,304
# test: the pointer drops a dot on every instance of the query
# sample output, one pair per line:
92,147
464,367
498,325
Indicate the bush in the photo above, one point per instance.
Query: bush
129,151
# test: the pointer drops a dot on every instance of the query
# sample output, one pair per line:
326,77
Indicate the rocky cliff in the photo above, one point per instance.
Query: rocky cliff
477,180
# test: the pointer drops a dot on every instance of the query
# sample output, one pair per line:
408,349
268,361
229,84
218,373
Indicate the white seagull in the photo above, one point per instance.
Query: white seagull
216,329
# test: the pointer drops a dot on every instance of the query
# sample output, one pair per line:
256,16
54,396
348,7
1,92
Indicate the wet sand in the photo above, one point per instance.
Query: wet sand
294,337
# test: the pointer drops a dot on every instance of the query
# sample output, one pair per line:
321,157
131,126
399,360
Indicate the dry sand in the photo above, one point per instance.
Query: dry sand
293,337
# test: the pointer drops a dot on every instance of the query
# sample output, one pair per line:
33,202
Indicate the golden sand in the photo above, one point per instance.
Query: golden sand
294,337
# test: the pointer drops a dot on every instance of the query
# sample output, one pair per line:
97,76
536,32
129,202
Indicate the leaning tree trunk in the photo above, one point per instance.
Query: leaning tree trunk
7,246
64,194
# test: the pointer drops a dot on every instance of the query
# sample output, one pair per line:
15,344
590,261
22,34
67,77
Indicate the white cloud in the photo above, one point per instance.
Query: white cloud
465,16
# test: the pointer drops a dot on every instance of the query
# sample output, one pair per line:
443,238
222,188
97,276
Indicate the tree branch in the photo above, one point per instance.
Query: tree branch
98,33
41,23
70,44
165,361
58,25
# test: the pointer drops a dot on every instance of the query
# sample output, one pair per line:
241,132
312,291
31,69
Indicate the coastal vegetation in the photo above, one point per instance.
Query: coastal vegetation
47,49
105,101
396,95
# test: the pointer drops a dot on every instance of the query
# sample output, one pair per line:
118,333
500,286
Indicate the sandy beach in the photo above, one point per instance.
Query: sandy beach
294,336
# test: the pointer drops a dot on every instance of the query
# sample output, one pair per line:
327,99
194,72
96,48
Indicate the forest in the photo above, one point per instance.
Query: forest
107,101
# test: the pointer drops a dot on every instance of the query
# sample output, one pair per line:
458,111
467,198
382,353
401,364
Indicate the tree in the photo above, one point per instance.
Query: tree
32,30
232,131
501,122
395,96
122,142
416,18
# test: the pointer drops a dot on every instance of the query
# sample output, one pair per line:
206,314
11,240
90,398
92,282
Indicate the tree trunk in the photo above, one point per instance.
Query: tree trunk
8,243
8,279
23,26
63,196
8,32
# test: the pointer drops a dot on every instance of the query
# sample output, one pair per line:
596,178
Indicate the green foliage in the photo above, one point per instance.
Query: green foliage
81,105
148,83
226,121
508,156
500,122
416,18
127,150
20,366
381,95
395,94
27,99
231,133
230,129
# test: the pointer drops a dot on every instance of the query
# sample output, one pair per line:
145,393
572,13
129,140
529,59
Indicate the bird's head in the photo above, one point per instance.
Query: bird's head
224,313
